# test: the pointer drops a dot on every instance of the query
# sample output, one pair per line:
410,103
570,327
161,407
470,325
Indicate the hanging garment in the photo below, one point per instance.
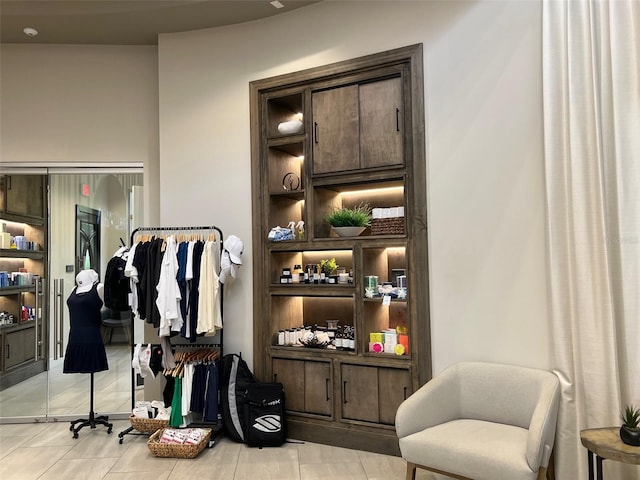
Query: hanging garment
168,390
176,404
193,261
187,386
140,264
209,314
210,413
150,280
183,251
131,272
198,388
116,284
168,297
168,361
85,351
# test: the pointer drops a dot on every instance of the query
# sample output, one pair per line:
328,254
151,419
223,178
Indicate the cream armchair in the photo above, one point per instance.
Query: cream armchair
481,421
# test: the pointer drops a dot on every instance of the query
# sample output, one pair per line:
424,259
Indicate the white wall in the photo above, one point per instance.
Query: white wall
81,104
484,151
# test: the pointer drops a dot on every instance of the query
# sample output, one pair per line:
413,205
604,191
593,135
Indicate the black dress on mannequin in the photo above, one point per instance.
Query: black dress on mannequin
85,351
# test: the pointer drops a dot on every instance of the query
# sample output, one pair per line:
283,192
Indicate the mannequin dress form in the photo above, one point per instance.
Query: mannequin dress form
85,351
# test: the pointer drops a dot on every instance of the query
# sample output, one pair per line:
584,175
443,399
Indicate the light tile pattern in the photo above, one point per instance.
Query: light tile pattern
69,394
48,452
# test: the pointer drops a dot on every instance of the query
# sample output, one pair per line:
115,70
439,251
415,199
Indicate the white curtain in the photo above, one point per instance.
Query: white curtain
591,77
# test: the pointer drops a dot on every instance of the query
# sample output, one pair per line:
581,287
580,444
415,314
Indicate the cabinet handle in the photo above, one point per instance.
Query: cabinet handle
397,119
8,350
344,391
275,378
326,388
405,393
315,132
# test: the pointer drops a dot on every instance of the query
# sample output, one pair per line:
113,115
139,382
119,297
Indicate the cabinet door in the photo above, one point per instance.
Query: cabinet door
359,393
19,347
335,130
381,123
24,195
394,386
317,388
291,374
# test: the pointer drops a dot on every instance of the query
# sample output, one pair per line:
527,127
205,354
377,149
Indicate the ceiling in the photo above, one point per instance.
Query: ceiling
125,22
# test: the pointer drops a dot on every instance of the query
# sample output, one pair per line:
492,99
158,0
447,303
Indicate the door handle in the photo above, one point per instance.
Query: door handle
36,318
58,288
315,132
344,391
397,119
61,317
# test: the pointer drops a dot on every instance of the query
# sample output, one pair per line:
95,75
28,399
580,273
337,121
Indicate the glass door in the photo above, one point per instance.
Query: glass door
90,216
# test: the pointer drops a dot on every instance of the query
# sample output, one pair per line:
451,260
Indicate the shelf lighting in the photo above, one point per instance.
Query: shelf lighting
375,191
301,157
14,224
299,116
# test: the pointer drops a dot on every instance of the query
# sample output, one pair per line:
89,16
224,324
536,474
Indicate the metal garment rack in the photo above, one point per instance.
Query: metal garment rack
216,429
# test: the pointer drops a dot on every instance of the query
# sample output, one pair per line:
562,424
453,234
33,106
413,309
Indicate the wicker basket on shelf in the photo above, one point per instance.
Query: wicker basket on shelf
387,226
176,450
147,425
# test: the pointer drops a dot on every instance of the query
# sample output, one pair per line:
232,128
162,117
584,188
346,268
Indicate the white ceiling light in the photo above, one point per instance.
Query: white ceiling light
277,4
32,32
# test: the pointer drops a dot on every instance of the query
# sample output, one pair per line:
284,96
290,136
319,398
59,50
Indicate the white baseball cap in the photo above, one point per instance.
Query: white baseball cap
234,246
85,280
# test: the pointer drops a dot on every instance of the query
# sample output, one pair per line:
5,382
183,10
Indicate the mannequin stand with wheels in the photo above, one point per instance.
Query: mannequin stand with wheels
85,350
92,421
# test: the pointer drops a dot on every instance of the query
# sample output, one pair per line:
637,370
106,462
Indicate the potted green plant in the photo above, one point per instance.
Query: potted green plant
350,222
329,267
630,429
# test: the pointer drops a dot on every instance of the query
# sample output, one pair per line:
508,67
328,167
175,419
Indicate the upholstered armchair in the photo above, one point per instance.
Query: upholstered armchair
481,421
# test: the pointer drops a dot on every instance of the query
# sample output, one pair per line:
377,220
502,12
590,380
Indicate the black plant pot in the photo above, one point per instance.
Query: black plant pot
630,436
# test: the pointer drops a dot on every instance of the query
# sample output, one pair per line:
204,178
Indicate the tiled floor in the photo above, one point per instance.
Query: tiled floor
49,452
69,393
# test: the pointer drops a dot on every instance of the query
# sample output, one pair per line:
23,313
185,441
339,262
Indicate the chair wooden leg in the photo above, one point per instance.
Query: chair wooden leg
551,470
542,473
411,471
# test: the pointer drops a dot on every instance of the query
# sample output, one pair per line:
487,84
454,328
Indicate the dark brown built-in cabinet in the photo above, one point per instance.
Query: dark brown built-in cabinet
361,141
23,341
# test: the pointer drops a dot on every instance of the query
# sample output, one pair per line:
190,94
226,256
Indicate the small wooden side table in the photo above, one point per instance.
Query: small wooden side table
606,443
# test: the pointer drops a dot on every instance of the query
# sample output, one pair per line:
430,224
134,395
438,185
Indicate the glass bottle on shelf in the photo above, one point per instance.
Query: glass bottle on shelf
338,338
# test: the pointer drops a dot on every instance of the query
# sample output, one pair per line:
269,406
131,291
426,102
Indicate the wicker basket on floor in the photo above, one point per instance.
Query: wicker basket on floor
176,450
387,226
147,425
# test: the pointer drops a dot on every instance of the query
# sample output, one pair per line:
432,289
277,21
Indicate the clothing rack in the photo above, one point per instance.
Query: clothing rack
216,428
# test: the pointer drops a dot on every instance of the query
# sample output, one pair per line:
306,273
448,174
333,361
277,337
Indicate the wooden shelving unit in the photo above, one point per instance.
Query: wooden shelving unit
361,141
23,342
